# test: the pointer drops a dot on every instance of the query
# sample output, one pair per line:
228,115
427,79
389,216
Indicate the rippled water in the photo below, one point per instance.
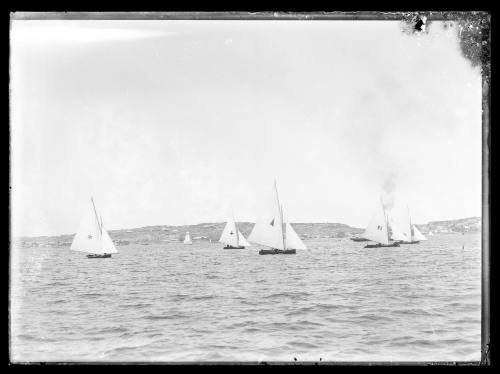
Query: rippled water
336,301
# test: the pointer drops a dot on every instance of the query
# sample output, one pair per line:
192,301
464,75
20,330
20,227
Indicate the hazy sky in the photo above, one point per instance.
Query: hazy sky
182,122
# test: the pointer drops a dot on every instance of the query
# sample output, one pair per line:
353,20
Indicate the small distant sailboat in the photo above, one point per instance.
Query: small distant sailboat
92,237
378,229
232,237
412,234
269,231
187,238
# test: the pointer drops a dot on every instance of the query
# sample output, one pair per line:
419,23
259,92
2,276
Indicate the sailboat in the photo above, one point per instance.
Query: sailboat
413,235
91,236
232,237
396,234
187,238
269,231
378,229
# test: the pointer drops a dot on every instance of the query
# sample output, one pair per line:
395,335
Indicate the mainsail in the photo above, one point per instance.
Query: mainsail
377,230
91,236
406,225
268,230
397,234
266,234
232,236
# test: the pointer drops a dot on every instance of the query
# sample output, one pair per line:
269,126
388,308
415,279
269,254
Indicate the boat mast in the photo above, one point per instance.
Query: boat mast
237,234
283,228
280,207
99,224
386,220
411,226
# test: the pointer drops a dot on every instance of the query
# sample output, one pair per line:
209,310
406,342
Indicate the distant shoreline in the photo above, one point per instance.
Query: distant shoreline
212,231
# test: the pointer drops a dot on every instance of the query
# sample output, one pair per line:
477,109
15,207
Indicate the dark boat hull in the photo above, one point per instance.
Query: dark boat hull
412,242
277,252
359,240
106,255
232,247
381,245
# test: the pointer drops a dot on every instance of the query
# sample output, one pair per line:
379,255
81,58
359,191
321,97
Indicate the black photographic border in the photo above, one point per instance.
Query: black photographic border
413,21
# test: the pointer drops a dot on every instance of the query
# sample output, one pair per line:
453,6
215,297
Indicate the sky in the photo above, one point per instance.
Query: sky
181,122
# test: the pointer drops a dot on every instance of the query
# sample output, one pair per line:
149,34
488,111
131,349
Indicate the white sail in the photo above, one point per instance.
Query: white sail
377,228
268,230
397,234
278,209
242,240
87,238
232,236
187,238
266,234
229,235
405,224
107,244
292,240
91,237
417,235
410,229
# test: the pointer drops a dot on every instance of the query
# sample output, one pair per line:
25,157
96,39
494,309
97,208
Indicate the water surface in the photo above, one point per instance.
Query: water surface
171,302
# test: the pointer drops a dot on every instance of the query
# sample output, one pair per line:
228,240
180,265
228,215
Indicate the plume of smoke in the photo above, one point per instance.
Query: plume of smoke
388,195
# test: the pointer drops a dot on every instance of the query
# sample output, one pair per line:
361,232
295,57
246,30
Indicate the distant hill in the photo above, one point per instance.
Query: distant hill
472,224
212,231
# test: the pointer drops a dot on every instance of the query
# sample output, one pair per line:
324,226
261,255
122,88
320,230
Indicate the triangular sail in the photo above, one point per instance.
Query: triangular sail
377,228
87,238
265,234
404,223
107,244
229,235
409,228
242,240
417,235
292,239
232,236
397,234
268,230
91,236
